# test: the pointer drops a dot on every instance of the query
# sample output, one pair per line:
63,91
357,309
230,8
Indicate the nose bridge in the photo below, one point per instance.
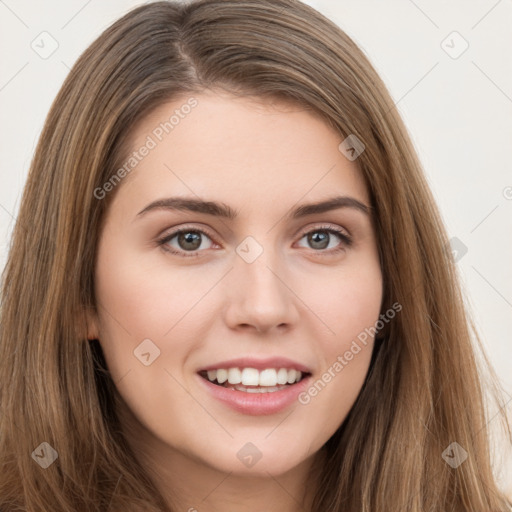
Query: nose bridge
258,266
259,294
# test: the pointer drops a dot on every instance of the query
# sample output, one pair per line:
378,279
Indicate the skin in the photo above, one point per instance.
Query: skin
295,300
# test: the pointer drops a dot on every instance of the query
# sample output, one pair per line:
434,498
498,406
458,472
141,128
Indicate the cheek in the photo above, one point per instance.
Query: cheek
347,300
142,308
138,299
140,295
349,307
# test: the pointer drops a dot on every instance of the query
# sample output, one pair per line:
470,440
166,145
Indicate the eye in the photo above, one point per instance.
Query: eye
320,239
188,240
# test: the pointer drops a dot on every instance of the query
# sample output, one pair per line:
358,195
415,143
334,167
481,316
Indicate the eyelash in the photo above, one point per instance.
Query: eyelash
346,240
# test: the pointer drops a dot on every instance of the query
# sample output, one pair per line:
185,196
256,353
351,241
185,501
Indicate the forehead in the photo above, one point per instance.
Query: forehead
217,144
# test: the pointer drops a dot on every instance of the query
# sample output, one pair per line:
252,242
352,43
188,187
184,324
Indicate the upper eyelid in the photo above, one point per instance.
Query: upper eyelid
325,225
175,231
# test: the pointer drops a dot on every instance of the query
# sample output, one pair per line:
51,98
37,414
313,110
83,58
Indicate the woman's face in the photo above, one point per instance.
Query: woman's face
259,282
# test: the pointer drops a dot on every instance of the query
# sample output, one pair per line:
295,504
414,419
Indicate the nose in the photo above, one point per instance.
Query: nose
260,297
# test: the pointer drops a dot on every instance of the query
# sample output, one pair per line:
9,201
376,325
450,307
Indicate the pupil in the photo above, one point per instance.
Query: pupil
321,239
190,237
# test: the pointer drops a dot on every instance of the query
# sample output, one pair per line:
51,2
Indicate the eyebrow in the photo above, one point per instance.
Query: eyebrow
219,209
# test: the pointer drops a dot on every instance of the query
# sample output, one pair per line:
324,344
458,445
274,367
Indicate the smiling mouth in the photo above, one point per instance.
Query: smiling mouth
250,380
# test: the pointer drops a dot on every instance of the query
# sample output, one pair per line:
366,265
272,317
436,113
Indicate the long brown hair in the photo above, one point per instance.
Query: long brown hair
425,389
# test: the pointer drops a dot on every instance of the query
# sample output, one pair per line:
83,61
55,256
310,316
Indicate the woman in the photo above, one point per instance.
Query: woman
177,334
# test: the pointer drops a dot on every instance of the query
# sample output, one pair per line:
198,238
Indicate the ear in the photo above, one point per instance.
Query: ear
92,323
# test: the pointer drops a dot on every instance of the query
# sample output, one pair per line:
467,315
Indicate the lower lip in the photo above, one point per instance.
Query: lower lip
257,403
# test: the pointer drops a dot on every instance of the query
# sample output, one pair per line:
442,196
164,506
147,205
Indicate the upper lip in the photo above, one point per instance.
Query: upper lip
258,364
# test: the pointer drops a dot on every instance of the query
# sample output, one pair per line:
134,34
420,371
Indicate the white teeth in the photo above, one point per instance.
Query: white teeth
282,376
250,377
222,376
234,376
270,377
